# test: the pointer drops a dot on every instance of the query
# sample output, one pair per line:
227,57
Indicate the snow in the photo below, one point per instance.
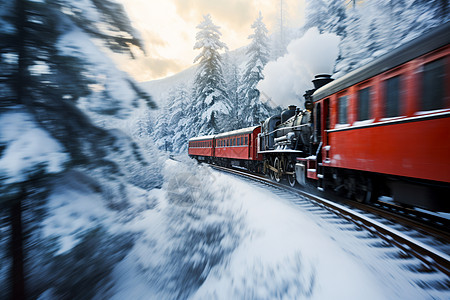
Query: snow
28,148
285,255
268,247
200,234
108,79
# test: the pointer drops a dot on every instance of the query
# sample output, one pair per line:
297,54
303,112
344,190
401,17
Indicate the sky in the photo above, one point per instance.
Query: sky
168,29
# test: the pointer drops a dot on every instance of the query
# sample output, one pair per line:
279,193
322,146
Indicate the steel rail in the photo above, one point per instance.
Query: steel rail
429,256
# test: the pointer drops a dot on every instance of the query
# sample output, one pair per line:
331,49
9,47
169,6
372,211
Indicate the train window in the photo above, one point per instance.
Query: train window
342,106
242,140
238,141
364,104
234,142
392,96
246,140
326,112
433,85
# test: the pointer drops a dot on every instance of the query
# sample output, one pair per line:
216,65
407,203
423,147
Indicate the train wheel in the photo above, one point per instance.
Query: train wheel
277,165
269,171
291,178
364,193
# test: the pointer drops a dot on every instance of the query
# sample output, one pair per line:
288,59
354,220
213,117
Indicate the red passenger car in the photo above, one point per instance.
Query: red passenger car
202,147
238,145
390,121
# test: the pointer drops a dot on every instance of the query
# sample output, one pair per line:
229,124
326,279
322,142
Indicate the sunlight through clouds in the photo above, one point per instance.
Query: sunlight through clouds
168,29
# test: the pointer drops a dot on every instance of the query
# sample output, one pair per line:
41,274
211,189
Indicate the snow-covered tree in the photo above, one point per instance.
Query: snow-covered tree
232,78
210,91
258,56
43,133
369,29
327,15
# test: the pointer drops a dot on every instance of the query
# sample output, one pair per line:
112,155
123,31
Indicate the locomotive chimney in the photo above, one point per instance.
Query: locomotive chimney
321,79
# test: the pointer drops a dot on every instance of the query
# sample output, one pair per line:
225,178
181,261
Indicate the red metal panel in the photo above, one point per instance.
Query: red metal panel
201,147
237,152
254,143
415,144
417,148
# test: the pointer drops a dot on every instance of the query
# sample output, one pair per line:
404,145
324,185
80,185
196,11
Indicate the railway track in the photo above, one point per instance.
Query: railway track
403,238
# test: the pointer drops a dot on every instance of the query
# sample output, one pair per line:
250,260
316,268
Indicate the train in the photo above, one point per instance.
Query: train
380,130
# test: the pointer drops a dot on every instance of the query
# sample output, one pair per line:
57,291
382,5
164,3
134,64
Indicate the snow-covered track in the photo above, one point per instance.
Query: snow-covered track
431,247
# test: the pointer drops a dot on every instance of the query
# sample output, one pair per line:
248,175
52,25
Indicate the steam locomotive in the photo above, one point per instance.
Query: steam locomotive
383,129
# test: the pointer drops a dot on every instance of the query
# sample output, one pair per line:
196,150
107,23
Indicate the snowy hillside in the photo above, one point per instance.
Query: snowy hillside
159,89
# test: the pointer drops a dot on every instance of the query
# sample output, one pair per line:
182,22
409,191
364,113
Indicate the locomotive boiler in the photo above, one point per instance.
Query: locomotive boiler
289,135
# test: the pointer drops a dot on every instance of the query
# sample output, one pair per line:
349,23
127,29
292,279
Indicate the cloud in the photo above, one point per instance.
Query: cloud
287,79
168,28
233,14
148,67
153,38
151,68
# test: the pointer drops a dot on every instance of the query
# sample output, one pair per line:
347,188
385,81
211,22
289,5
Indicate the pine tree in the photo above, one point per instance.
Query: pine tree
233,81
327,15
210,90
258,56
43,83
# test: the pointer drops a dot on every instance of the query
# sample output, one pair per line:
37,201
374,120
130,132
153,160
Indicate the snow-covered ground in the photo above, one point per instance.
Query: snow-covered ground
208,235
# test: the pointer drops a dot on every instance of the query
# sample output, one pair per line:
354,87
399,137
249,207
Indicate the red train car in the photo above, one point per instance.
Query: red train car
202,148
388,124
238,145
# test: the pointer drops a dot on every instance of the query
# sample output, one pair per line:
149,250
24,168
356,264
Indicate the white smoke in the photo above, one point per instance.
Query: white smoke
287,79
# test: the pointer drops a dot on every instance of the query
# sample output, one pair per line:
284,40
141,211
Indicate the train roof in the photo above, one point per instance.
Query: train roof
202,138
433,40
247,130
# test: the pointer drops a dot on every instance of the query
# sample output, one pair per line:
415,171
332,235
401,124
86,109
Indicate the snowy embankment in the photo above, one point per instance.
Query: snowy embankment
208,235
211,236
